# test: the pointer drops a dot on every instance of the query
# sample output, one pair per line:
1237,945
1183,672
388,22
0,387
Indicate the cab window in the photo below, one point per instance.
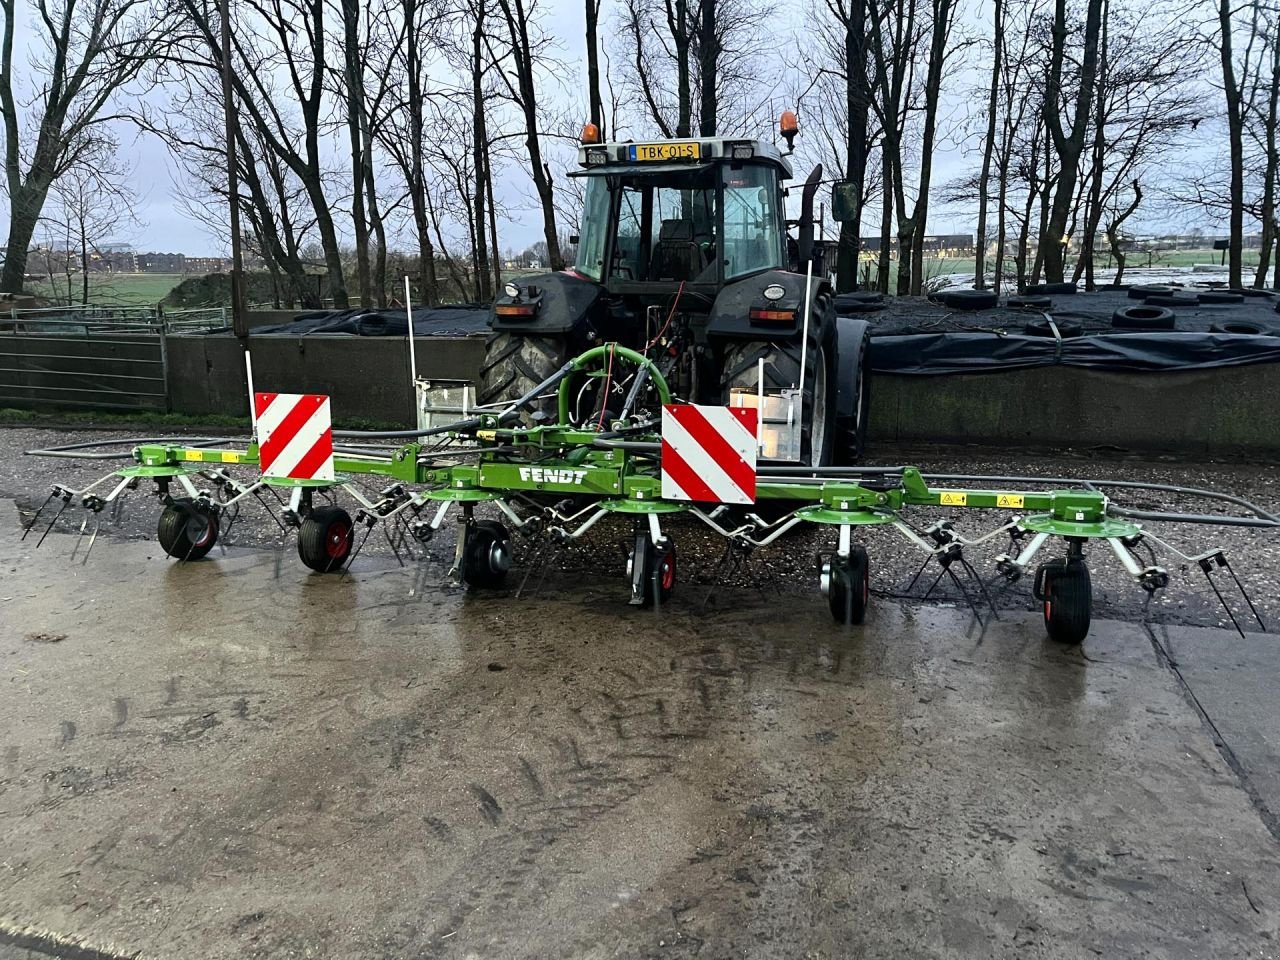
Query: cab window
753,231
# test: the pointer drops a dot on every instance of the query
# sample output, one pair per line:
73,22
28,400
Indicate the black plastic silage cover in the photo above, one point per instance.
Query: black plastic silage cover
933,354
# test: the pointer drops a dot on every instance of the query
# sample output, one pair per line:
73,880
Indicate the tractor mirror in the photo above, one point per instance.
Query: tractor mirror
844,201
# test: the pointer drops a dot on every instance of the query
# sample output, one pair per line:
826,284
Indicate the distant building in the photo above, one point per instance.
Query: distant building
943,245
161,263
203,265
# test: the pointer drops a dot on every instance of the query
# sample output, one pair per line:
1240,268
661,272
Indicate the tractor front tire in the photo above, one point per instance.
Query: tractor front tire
515,364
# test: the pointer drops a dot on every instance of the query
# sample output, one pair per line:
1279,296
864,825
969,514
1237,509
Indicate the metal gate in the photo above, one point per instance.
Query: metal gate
104,359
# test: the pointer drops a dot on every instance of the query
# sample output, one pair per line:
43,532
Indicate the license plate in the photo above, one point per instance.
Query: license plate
646,152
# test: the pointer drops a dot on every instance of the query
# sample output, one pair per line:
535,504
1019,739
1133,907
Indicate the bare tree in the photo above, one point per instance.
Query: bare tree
596,104
695,60
1233,97
84,52
1068,135
525,50
93,203
286,39
988,147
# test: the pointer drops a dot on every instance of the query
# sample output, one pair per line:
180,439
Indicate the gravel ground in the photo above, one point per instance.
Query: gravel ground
788,566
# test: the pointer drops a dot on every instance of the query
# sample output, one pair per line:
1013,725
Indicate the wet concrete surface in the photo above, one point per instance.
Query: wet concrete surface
212,760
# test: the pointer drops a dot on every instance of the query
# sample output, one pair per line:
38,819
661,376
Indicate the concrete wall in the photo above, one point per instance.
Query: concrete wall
1228,411
1231,411
368,377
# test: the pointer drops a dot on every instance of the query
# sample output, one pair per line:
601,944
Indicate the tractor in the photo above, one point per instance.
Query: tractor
684,256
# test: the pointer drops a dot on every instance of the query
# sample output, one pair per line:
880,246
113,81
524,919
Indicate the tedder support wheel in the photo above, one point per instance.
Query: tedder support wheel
325,539
652,569
515,364
187,530
847,583
782,372
488,554
1064,587
660,581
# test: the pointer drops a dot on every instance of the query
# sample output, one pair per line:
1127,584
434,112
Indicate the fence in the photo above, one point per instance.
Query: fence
96,357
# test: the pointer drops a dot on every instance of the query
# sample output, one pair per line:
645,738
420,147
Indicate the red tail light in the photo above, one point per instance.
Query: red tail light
761,315
515,309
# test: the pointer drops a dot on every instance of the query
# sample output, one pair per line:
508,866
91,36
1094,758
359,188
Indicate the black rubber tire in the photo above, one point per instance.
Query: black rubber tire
1142,291
859,301
1173,300
660,578
1143,318
515,364
488,555
1252,292
325,539
1050,289
1220,298
1066,328
850,589
1246,327
1029,303
781,372
1068,600
969,299
851,432
187,530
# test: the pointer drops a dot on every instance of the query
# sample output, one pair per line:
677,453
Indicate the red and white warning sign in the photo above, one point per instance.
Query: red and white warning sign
709,453
295,435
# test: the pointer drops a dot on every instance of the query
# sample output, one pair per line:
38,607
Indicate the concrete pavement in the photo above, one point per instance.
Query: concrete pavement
205,760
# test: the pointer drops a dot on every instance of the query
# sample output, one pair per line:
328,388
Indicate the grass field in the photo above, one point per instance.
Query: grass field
112,289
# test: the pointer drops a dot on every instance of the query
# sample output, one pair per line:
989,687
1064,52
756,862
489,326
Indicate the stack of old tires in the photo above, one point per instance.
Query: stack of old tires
1159,305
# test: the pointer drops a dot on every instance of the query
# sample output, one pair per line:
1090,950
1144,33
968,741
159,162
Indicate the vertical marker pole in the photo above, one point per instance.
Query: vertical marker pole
760,404
804,342
413,360
253,402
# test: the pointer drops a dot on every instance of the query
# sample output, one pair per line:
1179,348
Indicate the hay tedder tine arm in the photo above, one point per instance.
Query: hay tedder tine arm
36,516
1217,558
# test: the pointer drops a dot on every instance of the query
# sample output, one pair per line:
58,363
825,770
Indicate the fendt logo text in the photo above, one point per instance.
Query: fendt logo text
548,475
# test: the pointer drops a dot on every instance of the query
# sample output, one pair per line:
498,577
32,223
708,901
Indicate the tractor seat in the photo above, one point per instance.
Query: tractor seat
677,255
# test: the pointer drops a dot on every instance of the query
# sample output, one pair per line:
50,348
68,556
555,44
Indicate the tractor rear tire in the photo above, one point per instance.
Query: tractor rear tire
515,364
782,372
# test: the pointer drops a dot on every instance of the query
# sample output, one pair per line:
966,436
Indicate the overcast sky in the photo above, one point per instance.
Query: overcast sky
166,227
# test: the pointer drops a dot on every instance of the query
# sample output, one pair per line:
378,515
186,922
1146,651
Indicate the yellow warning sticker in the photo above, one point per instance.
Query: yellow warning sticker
230,456
952,498
487,434
1012,500
196,455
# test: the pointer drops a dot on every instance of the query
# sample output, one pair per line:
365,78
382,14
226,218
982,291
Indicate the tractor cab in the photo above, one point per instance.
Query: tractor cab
683,256
701,213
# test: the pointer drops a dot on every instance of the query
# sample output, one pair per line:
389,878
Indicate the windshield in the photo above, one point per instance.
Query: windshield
683,225
666,229
595,229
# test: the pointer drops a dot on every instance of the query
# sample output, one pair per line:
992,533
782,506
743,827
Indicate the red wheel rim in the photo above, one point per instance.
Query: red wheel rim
336,539
202,524
667,572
